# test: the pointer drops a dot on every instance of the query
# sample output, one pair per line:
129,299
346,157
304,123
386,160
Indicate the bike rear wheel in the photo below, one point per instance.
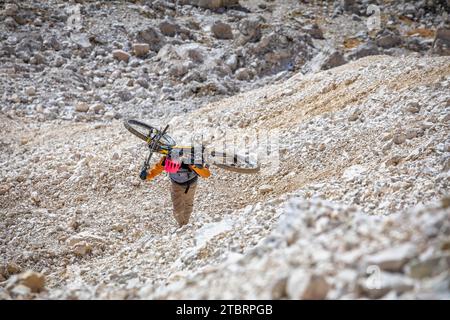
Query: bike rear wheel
147,132
234,162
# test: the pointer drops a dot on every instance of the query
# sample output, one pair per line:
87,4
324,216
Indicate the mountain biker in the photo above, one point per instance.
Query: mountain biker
184,183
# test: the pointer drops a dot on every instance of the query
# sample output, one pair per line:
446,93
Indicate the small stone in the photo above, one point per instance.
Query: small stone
354,116
59,61
322,147
178,70
314,31
33,280
143,82
411,133
98,107
11,10
304,285
31,91
15,98
38,59
168,28
125,95
265,188
82,248
150,36
4,188
243,74
399,138
13,268
10,22
222,30
121,55
413,107
141,49
389,41
24,141
82,107
232,62
394,160
109,115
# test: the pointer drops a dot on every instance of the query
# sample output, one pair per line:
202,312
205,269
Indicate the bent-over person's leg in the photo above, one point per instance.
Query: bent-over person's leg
182,202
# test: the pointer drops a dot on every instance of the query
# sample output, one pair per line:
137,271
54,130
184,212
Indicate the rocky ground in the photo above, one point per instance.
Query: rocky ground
358,208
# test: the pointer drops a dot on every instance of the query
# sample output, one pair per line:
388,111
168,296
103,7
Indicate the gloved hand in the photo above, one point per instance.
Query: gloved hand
143,174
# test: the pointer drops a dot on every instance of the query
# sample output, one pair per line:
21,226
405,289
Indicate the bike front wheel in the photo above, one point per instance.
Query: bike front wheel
148,133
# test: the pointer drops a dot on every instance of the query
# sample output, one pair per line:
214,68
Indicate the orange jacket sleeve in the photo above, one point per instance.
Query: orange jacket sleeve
201,171
156,170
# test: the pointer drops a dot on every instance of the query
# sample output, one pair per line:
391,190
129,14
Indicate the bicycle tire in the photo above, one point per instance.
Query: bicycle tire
139,128
240,163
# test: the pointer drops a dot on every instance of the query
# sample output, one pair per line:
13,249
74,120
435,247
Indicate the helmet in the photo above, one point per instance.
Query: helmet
171,166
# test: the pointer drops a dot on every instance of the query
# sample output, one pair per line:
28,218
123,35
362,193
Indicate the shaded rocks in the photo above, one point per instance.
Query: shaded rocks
178,70
389,41
121,55
314,31
335,59
441,43
168,28
250,29
364,50
152,37
304,285
443,34
325,61
212,4
244,74
222,30
141,49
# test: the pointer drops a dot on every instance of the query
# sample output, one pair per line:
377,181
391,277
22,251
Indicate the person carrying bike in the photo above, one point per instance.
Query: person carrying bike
184,183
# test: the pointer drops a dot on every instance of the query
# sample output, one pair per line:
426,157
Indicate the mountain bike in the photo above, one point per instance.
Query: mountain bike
159,141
